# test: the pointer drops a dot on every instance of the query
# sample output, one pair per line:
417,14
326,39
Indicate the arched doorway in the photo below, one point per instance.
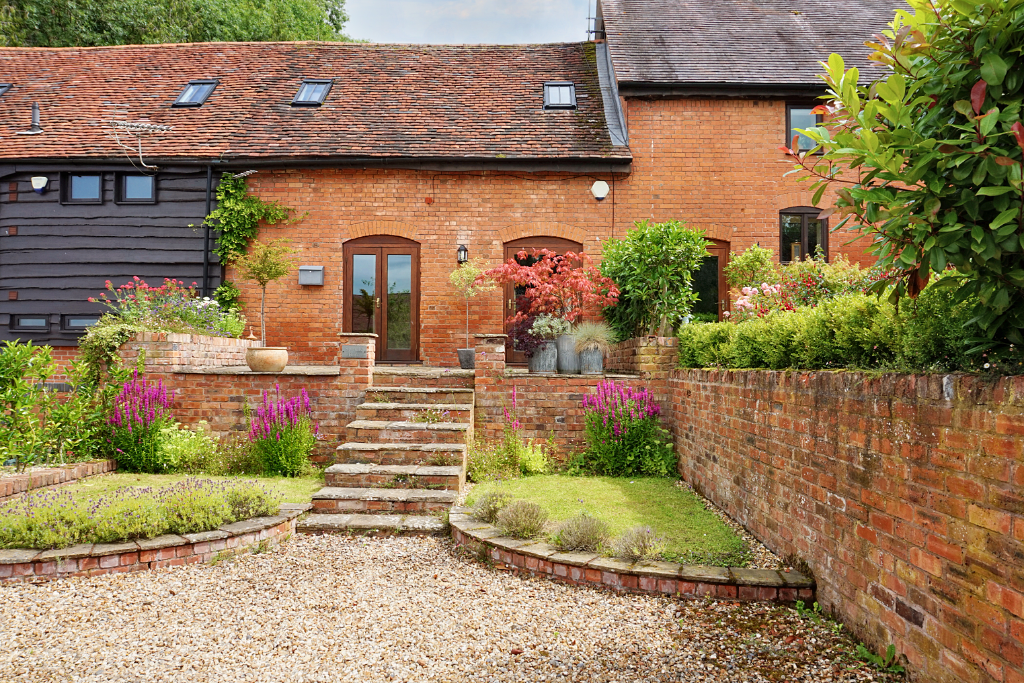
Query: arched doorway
382,294
709,282
558,245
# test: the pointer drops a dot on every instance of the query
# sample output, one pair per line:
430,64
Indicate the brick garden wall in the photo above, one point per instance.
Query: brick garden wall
902,494
163,350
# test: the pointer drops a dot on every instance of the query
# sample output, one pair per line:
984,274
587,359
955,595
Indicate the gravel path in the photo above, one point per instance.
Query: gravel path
328,608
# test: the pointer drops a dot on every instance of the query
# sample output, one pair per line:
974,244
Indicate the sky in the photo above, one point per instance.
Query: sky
468,21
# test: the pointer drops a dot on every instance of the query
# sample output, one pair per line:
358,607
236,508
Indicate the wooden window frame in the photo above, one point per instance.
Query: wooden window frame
806,213
818,118
65,187
119,189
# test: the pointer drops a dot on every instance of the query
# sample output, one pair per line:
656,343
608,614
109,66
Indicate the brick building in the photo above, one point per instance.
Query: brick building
394,156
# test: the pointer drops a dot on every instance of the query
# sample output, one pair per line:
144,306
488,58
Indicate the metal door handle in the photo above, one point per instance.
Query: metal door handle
378,302
510,304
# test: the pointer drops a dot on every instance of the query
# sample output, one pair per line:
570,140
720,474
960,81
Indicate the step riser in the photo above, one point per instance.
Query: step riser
446,483
372,533
400,458
386,396
326,506
359,435
442,382
409,415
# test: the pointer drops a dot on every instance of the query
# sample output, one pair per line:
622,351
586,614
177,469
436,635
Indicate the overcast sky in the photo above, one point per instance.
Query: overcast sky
468,21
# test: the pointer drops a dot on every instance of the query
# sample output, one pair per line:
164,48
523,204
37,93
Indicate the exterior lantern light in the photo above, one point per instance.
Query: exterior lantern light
462,253
600,190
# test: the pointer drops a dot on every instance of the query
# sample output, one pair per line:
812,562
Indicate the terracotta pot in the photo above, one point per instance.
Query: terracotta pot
266,358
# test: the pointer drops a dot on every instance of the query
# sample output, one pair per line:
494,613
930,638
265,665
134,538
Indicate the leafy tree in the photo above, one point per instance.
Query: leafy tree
65,23
265,262
928,159
653,267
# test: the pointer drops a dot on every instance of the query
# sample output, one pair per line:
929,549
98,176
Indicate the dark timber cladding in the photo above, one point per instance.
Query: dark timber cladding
54,256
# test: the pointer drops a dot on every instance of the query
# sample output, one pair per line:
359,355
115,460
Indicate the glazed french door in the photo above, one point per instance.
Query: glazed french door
514,296
382,295
709,282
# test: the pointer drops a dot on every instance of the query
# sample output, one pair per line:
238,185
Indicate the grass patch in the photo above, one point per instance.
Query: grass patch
693,534
291,489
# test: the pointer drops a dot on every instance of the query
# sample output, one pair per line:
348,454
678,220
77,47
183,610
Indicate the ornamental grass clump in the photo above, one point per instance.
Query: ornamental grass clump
580,533
624,436
522,519
639,544
139,414
282,433
489,505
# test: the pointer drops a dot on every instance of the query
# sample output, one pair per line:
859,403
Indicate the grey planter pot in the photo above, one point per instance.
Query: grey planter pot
467,358
591,362
545,358
568,358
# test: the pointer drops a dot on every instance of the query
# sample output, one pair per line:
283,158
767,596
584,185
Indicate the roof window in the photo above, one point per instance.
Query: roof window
312,92
559,95
195,93
4,87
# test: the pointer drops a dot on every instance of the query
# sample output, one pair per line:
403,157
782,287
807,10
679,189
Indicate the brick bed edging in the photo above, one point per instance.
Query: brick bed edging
660,578
14,485
153,553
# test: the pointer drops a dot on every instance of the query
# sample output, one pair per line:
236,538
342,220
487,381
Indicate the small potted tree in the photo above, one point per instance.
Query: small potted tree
264,263
467,281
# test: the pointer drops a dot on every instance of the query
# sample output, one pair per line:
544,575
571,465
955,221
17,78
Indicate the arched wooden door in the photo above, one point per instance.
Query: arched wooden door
709,282
382,294
514,356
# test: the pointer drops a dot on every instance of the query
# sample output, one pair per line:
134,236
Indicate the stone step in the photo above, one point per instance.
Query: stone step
459,395
335,499
406,525
418,376
414,412
435,454
384,431
397,477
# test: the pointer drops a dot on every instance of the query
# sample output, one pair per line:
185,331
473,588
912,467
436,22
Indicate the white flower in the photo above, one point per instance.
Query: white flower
987,365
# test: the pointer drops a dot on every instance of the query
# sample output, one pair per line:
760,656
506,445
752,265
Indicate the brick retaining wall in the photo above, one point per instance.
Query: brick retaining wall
902,493
192,350
36,478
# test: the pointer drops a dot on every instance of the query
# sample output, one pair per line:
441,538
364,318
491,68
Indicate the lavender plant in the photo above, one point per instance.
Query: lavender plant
139,414
623,433
282,433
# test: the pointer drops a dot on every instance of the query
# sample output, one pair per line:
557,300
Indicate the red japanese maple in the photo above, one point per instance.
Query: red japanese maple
566,285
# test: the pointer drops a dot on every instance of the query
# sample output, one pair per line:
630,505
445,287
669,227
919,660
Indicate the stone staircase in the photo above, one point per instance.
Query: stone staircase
403,462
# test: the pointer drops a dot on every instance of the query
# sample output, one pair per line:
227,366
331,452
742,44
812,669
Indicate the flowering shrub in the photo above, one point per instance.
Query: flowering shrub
512,456
139,414
171,307
58,519
623,433
282,433
757,302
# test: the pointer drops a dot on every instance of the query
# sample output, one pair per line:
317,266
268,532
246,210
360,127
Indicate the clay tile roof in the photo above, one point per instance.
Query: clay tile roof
398,101
739,42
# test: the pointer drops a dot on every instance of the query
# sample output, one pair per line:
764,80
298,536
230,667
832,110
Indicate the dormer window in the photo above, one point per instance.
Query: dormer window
4,87
195,93
559,95
312,92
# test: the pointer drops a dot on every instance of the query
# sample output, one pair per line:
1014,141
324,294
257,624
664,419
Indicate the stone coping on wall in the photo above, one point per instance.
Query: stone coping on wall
523,372
307,370
661,578
46,477
91,559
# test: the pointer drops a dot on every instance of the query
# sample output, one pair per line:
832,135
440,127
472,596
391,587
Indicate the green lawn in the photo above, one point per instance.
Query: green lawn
694,535
293,490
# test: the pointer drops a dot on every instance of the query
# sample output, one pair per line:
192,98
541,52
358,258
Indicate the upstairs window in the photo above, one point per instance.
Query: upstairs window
559,95
800,117
195,93
4,87
312,92
135,188
802,233
81,189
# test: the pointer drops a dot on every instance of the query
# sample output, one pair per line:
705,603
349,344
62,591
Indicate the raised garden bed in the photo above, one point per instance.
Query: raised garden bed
36,478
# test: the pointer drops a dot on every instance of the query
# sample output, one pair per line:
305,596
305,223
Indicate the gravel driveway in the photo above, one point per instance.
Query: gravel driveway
328,608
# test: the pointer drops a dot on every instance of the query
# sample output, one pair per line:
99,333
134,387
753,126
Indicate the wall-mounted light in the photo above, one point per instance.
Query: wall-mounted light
462,253
40,183
600,190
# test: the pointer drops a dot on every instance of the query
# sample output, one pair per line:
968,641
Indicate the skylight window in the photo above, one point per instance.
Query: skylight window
559,95
312,92
4,87
195,93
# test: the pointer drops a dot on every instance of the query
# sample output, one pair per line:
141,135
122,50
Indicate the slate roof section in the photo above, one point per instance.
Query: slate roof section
741,43
387,102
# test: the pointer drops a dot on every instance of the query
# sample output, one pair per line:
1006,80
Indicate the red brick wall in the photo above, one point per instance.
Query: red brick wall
901,492
162,350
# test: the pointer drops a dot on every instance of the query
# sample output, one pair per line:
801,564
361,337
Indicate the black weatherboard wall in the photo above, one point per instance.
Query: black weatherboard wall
55,255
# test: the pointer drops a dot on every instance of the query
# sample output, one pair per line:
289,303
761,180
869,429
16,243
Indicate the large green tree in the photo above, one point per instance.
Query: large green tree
65,23
927,160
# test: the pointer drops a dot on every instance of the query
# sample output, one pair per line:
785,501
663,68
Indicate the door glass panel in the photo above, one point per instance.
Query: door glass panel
705,283
790,248
364,288
399,318
813,235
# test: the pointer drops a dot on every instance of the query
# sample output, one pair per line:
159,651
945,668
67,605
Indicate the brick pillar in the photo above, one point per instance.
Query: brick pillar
489,382
357,357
